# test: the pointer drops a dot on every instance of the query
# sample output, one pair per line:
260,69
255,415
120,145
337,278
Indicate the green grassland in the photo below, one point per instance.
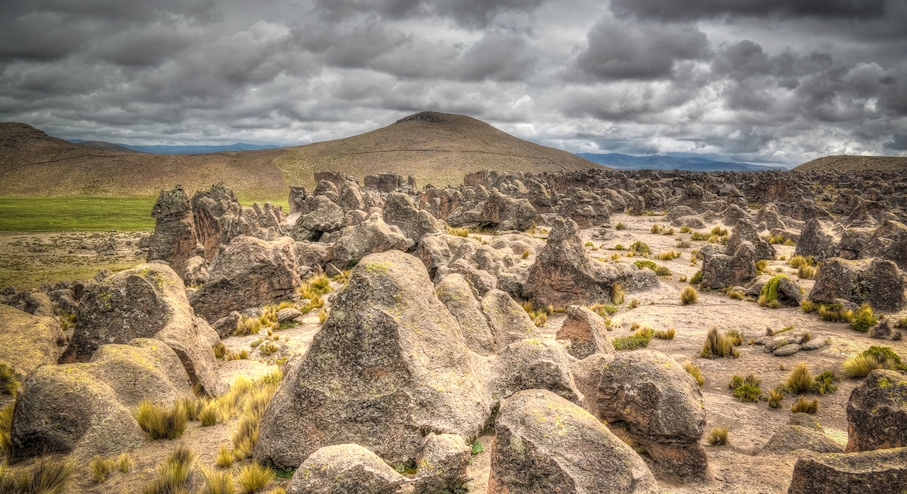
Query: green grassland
49,214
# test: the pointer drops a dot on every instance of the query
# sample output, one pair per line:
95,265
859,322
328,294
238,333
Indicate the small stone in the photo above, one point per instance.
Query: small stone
787,350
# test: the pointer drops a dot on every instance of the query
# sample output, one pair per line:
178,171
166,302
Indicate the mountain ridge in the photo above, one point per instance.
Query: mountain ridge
666,163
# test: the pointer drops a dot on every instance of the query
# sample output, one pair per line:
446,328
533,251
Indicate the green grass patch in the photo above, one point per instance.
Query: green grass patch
47,214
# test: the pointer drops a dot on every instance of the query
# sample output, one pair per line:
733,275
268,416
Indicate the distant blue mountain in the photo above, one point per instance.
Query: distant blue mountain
191,149
655,162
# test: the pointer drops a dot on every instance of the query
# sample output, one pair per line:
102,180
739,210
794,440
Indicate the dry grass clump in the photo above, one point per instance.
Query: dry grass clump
800,381
217,482
667,334
161,422
689,295
825,383
657,228
806,272
254,477
805,406
639,247
718,345
617,294
125,462
800,261
249,400
620,226
775,396
735,336
458,232
863,319
525,254
695,371
633,304
224,457
603,310
174,475
717,436
6,426
220,350
876,357
100,468
49,475
539,316
208,415
9,381
640,339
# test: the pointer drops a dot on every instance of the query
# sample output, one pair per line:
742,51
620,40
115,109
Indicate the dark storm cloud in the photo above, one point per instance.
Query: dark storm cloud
616,50
747,80
673,10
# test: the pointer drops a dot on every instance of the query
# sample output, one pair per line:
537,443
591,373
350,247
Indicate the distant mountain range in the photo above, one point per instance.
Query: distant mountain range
192,149
655,162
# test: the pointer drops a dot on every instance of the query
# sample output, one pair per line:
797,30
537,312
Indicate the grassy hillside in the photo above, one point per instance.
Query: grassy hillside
847,163
437,148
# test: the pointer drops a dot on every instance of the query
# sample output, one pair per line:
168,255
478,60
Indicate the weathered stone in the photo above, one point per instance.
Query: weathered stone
660,403
722,270
786,350
873,281
546,444
387,365
442,464
28,341
288,314
819,240
345,469
745,231
507,213
508,321
399,210
248,272
174,239
564,275
790,438
369,237
454,291
878,472
586,332
877,412
219,218
531,364
195,271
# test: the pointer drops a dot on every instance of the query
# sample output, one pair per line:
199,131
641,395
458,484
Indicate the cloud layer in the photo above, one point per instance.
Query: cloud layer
773,81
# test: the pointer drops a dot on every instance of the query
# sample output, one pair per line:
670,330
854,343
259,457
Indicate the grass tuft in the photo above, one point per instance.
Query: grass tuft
254,477
863,319
875,357
800,381
717,436
174,475
100,468
125,462
160,422
718,345
224,457
49,475
775,396
689,295
217,482
668,334
9,381
695,371
804,405
746,389
617,294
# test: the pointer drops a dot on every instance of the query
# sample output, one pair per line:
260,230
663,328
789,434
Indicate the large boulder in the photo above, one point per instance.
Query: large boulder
564,275
531,364
734,269
878,472
174,239
508,321
745,231
246,273
888,242
345,469
819,240
324,216
219,218
372,236
28,341
585,330
546,444
507,213
877,412
388,366
873,281
147,301
457,295
87,408
400,210
442,464
661,405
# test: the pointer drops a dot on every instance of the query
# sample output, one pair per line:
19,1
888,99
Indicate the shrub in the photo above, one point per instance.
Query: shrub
769,292
746,389
695,371
125,462
220,351
863,319
665,335
718,345
806,272
477,447
254,477
645,264
775,396
640,247
100,468
697,278
689,295
619,247
217,482
717,436
776,239
617,294
805,406
639,339
808,306
682,244
9,382
662,271
825,383
459,232
699,237
799,261
224,457
685,229
761,265
160,422
6,426
620,226
173,475
800,380
656,228
602,309
49,475
873,358
736,337
633,304
721,232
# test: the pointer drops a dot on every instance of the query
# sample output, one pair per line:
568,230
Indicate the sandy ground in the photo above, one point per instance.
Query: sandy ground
736,467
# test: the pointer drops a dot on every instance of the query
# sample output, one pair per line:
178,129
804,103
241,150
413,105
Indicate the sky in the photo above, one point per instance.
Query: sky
759,81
